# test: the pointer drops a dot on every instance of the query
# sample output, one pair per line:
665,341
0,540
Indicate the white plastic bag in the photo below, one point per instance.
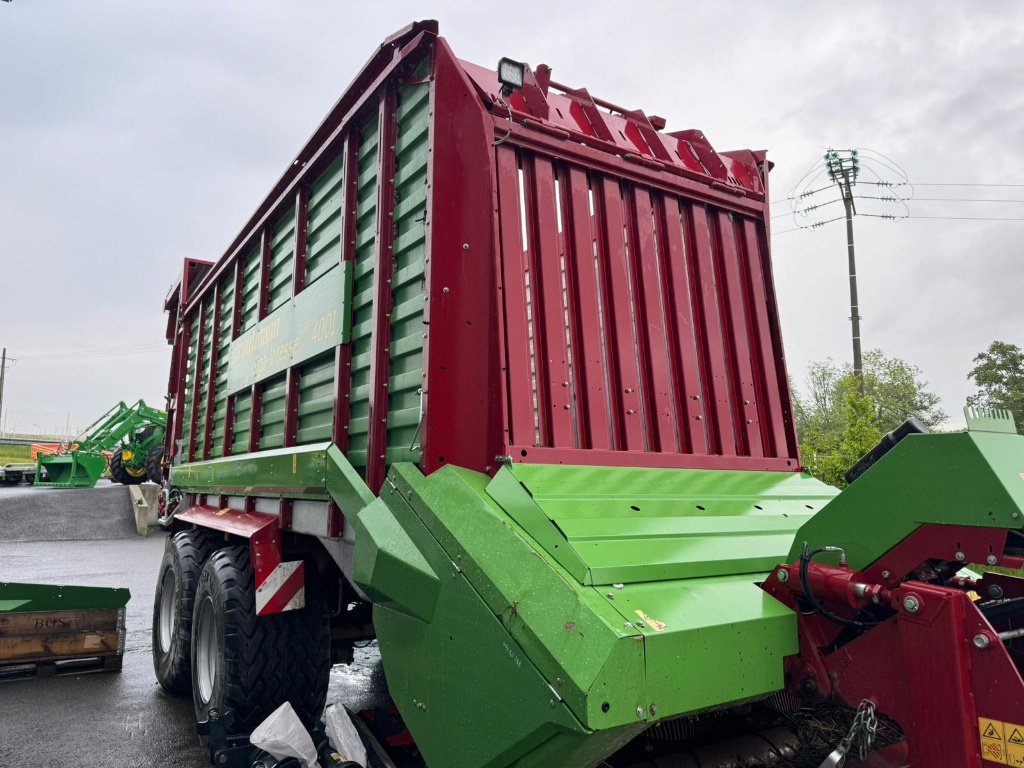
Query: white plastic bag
343,736
283,735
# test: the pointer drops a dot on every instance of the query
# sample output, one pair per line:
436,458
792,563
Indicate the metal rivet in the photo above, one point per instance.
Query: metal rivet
653,709
610,596
639,711
628,625
782,575
465,246
995,592
640,624
982,641
617,586
991,560
960,557
445,289
911,604
885,574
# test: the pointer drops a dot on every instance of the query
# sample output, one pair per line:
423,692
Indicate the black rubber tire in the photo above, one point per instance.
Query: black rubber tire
119,474
155,465
261,662
184,554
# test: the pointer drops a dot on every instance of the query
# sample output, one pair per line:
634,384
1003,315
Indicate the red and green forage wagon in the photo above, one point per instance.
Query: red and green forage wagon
494,375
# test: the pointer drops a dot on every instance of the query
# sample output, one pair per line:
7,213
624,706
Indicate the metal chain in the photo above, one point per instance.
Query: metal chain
862,733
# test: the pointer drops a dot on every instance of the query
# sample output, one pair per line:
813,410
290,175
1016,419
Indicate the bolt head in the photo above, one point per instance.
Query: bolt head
886,574
991,560
911,604
982,641
995,592
960,557
639,711
653,709
782,575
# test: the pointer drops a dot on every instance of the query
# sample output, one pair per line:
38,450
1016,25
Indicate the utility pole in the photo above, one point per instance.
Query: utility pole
3,371
843,167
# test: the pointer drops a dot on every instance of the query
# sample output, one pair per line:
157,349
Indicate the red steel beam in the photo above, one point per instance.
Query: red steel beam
377,437
551,355
659,412
623,381
743,393
716,385
584,312
677,285
343,352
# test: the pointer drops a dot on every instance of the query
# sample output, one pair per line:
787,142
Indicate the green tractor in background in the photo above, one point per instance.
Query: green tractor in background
133,435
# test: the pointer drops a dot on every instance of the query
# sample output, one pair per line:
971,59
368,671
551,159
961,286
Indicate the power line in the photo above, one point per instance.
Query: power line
961,184
969,218
104,352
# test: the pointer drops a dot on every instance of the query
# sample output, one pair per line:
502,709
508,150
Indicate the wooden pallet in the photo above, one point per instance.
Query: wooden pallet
47,643
52,668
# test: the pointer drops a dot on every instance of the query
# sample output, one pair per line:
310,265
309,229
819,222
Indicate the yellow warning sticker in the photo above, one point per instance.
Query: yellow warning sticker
1001,742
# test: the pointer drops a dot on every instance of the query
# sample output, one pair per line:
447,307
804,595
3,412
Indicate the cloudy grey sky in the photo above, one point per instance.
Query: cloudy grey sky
133,134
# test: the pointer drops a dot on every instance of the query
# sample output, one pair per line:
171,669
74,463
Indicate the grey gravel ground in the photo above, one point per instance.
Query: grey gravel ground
113,720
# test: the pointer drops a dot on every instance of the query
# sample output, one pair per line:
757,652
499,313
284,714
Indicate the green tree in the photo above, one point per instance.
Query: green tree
837,424
999,375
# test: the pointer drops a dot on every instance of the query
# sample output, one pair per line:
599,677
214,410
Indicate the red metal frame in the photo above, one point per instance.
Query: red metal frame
635,325
377,437
921,667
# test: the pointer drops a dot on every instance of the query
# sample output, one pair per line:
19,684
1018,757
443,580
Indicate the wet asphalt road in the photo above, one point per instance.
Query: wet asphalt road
107,720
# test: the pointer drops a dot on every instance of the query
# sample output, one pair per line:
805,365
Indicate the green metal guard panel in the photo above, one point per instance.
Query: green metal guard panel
220,400
293,472
408,288
323,230
609,525
316,400
362,292
958,478
303,327
618,655
190,383
272,413
251,290
282,256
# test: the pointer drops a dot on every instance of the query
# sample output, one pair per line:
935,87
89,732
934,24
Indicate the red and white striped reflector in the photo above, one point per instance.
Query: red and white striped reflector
283,589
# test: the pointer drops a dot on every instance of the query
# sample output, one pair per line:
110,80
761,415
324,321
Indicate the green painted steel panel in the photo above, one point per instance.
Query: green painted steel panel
958,478
242,422
315,321
324,216
282,261
316,400
220,398
625,524
316,471
362,292
408,287
203,377
272,413
21,598
190,382
251,290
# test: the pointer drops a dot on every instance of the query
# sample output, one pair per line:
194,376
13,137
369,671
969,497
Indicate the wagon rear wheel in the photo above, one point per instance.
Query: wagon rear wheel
251,664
